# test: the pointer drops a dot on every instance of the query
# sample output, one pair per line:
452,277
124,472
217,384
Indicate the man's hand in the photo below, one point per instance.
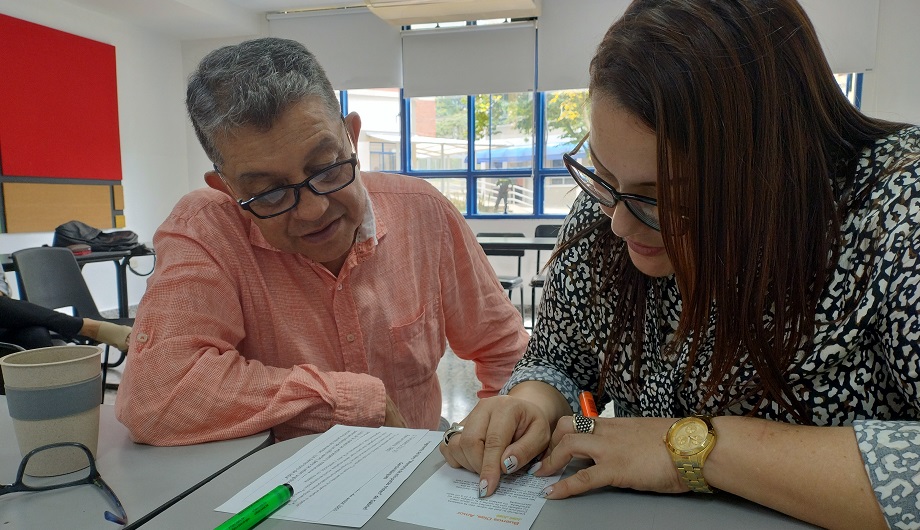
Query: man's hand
393,417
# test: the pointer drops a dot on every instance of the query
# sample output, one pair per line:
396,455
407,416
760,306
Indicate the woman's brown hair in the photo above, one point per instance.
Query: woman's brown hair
757,153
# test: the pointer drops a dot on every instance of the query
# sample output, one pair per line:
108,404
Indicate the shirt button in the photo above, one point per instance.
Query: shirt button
350,337
141,337
338,287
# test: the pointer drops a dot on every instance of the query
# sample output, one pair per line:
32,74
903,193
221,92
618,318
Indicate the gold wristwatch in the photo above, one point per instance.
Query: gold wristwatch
690,440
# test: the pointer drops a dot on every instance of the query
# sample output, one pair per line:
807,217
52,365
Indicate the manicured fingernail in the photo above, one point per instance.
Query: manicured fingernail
547,491
483,488
534,468
510,464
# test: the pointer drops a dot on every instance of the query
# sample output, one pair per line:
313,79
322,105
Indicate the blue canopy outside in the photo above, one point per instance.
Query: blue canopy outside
520,154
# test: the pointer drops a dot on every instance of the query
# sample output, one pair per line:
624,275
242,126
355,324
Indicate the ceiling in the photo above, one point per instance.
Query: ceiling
199,19
207,19
283,5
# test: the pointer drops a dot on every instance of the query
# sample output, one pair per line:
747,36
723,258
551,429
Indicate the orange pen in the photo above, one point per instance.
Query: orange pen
586,400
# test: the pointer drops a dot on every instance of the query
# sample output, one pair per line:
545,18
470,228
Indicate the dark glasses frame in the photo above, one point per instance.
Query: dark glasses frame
93,478
246,204
579,172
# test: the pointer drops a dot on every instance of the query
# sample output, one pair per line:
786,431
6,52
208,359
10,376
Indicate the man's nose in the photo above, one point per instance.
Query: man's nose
311,206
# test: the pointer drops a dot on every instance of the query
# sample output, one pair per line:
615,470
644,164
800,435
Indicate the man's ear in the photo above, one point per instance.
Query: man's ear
212,178
353,126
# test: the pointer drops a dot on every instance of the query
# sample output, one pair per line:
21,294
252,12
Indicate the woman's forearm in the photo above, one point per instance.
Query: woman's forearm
812,473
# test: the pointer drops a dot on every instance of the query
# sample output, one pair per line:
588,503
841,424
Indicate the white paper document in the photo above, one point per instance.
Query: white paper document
449,500
343,476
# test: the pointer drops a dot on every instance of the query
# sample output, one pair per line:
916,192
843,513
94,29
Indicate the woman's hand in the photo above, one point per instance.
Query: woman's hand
627,453
501,434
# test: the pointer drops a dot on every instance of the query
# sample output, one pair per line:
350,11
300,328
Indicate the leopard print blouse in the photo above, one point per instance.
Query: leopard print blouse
862,369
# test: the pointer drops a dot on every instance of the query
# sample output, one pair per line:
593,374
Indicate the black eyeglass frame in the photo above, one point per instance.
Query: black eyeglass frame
246,204
93,478
574,168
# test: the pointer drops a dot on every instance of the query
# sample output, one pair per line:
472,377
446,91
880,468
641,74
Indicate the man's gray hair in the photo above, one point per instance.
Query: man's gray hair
252,84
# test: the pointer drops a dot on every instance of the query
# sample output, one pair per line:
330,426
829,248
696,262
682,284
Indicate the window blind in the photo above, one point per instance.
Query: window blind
488,59
569,33
357,49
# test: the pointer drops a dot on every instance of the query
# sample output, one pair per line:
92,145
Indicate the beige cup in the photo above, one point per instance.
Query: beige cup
53,395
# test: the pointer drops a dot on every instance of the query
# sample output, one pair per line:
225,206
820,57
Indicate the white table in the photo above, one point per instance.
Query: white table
145,478
605,508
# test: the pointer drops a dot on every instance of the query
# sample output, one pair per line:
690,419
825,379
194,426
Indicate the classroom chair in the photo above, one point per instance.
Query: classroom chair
539,279
51,277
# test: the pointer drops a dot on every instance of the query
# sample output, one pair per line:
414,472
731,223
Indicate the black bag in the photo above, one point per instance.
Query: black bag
77,233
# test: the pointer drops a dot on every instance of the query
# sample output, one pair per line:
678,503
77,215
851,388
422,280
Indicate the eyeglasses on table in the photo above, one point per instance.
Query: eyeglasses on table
87,475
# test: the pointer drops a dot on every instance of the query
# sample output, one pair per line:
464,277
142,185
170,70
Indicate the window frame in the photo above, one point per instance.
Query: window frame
537,172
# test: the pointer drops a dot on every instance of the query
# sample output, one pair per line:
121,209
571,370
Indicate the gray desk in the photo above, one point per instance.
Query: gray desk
516,243
145,478
606,508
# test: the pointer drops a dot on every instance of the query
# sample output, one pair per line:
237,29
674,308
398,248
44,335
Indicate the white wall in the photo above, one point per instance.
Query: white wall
892,90
197,163
151,115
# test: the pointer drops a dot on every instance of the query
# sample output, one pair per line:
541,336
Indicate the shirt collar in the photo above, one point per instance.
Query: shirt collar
368,228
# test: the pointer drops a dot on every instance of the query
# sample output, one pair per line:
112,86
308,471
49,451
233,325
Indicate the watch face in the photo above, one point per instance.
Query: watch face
689,437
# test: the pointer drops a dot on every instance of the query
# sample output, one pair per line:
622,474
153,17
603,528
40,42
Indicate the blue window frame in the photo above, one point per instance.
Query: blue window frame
516,169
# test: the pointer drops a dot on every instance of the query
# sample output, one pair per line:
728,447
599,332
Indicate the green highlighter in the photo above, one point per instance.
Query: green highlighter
258,511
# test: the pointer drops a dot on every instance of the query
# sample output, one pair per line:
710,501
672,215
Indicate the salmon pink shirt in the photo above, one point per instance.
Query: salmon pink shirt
234,337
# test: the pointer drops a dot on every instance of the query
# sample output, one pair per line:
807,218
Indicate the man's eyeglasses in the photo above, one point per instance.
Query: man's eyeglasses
88,475
644,208
277,201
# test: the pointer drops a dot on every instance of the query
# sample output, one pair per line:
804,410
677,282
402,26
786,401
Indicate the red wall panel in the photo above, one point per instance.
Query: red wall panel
58,104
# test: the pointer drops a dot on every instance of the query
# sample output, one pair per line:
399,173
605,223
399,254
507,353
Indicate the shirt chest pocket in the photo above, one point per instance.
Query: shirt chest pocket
417,347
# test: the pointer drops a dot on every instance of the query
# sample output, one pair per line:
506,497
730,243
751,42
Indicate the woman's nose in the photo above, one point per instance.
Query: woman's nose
622,222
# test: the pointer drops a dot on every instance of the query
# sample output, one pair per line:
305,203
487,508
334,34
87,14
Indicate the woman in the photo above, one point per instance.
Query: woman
27,325
763,272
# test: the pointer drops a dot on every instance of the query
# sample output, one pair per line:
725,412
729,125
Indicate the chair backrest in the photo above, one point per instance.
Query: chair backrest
51,277
547,231
513,253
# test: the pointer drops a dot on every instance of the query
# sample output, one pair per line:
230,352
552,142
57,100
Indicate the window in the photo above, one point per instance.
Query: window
452,188
498,177
851,85
565,118
438,133
489,154
504,131
384,156
503,142
381,112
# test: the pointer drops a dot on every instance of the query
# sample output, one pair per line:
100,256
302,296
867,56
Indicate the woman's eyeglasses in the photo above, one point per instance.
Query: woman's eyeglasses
644,208
87,475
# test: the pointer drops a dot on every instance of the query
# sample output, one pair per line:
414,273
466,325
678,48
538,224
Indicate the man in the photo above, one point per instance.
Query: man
299,292
503,185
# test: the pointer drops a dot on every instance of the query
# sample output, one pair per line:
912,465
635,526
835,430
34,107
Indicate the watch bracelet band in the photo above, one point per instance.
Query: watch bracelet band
692,475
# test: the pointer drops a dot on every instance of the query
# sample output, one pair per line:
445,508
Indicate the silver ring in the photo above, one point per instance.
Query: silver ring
455,428
582,424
